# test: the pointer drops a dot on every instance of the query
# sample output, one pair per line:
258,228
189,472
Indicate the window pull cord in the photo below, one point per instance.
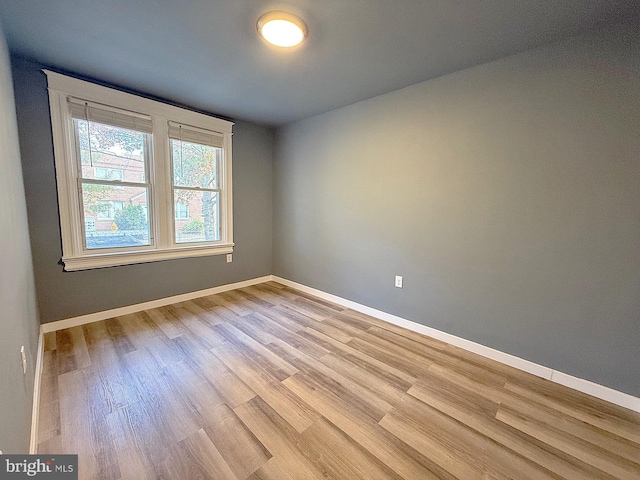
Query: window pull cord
181,149
86,116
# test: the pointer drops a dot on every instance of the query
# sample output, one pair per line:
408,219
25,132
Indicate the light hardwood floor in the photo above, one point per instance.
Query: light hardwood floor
266,382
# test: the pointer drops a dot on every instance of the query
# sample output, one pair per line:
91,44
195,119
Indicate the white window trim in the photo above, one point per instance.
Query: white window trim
74,256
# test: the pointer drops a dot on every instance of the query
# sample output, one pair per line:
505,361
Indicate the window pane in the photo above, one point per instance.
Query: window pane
110,153
115,216
202,217
194,165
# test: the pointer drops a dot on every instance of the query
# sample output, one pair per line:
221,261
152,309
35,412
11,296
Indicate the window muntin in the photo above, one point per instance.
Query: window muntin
114,177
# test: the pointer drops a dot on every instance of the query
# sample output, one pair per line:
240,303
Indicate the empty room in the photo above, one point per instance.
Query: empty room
348,239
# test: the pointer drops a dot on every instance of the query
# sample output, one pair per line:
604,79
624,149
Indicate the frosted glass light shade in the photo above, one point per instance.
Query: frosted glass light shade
282,29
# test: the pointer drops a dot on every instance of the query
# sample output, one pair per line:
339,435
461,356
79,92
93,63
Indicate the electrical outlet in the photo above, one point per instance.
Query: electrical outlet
229,257
24,360
398,281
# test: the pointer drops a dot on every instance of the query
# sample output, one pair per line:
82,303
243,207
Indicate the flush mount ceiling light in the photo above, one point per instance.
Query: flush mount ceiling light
282,29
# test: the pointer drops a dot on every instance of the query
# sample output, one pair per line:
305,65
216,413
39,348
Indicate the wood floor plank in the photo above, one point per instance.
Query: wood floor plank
150,434
139,328
411,364
49,419
195,457
402,348
366,378
399,457
465,409
266,382
49,340
227,384
100,345
366,399
614,444
286,404
337,456
623,427
255,301
310,308
318,325
50,362
257,327
232,302
118,336
71,350
285,467
280,439
297,294
265,292
195,390
351,321
347,350
289,332
340,324
238,337
203,314
160,396
200,326
52,445
577,447
168,320
486,386
490,366
239,447
376,322
132,458
413,343
106,356
574,398
459,452
82,427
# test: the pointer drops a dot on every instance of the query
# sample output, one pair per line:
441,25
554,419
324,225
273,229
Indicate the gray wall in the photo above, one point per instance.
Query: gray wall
67,294
507,195
19,318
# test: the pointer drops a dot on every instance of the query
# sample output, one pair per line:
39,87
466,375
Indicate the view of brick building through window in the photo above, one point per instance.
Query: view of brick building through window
115,188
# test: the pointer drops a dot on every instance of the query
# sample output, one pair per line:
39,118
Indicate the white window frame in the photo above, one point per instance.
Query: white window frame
75,256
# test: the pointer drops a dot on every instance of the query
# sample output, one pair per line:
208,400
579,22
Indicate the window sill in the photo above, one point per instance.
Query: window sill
102,260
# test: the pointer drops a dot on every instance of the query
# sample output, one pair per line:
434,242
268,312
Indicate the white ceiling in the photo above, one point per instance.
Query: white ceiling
206,53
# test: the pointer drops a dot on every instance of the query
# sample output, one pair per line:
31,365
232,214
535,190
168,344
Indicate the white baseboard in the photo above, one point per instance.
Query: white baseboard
580,384
139,307
35,408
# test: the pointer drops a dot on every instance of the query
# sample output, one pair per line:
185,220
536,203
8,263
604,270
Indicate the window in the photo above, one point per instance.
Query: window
195,157
106,209
109,173
138,180
181,211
